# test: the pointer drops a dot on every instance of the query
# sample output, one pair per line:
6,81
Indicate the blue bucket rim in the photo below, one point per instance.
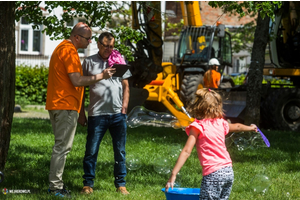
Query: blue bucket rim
179,190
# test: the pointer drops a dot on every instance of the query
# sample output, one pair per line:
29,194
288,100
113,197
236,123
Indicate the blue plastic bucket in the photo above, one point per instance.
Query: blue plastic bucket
182,193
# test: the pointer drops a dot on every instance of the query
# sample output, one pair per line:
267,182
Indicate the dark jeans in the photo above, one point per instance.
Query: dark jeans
97,126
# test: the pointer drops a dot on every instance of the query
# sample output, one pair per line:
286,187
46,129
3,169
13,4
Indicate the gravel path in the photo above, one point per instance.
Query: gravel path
31,111
32,114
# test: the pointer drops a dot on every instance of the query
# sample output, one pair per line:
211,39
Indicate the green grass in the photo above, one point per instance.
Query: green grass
27,167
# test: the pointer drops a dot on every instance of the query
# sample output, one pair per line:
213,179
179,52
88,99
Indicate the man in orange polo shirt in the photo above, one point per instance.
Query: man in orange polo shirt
64,98
212,77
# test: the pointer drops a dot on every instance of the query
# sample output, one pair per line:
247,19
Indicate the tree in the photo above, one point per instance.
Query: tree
96,14
265,11
7,75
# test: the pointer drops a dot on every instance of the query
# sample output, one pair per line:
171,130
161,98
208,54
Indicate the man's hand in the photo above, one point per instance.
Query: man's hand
82,120
107,73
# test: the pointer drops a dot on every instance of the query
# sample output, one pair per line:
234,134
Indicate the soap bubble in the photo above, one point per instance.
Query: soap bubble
257,141
288,194
174,150
178,180
133,162
242,143
181,123
141,116
245,140
260,183
162,165
228,141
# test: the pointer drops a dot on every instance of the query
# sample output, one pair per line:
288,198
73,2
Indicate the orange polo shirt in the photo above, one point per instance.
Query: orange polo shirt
61,93
211,79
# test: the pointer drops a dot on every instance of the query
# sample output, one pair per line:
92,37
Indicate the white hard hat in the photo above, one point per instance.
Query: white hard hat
213,61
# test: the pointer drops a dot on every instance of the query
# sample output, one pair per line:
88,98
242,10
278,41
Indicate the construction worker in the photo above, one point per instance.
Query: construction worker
212,77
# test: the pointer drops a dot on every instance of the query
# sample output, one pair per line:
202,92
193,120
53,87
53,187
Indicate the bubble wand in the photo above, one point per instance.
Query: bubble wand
264,137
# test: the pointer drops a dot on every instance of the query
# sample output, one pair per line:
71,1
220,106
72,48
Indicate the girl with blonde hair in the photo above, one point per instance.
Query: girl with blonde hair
208,133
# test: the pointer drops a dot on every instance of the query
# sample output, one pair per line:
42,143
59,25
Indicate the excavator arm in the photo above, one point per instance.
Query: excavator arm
146,17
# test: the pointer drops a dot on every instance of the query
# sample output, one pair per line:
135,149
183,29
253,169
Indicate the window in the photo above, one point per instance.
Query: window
30,39
226,52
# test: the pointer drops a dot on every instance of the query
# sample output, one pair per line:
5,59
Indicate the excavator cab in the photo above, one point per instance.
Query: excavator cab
205,42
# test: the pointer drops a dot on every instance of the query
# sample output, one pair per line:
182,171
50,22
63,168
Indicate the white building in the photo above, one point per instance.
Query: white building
35,48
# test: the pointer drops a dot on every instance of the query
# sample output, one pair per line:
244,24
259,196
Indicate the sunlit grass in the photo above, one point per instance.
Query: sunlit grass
27,167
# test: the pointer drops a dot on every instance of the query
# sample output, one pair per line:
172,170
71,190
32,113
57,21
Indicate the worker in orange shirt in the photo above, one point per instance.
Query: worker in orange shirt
212,77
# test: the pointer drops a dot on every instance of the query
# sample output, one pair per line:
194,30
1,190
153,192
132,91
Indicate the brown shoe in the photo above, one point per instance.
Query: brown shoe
86,190
122,190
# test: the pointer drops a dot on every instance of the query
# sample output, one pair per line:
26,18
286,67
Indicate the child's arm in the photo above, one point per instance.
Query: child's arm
237,127
185,153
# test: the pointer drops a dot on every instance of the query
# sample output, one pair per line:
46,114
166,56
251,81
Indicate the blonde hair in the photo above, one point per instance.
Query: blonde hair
207,104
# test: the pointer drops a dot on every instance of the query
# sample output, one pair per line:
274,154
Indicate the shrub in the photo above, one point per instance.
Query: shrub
31,85
238,80
275,82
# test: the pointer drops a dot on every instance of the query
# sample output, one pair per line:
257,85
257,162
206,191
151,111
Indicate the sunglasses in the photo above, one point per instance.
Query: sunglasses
88,39
106,46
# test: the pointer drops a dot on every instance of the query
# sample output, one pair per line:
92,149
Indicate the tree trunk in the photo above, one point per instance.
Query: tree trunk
7,75
255,75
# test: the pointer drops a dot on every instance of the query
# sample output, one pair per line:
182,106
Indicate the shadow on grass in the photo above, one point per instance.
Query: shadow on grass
32,140
26,168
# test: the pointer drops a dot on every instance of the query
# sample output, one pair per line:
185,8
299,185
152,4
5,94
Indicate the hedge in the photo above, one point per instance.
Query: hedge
275,82
31,85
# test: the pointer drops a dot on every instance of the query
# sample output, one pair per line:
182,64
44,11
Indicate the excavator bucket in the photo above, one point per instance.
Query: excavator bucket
234,102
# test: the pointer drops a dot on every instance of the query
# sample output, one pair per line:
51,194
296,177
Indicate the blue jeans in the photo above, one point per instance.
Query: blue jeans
97,127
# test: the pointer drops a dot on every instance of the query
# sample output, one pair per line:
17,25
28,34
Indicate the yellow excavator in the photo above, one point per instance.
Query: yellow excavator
280,102
172,85
166,85
281,106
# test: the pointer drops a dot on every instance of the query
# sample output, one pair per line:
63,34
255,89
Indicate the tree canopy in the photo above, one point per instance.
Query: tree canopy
243,8
99,15
244,35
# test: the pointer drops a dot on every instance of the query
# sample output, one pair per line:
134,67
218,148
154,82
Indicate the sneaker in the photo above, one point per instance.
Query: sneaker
122,190
86,190
60,193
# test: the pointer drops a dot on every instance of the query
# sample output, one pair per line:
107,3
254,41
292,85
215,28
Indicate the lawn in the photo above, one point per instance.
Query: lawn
31,144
